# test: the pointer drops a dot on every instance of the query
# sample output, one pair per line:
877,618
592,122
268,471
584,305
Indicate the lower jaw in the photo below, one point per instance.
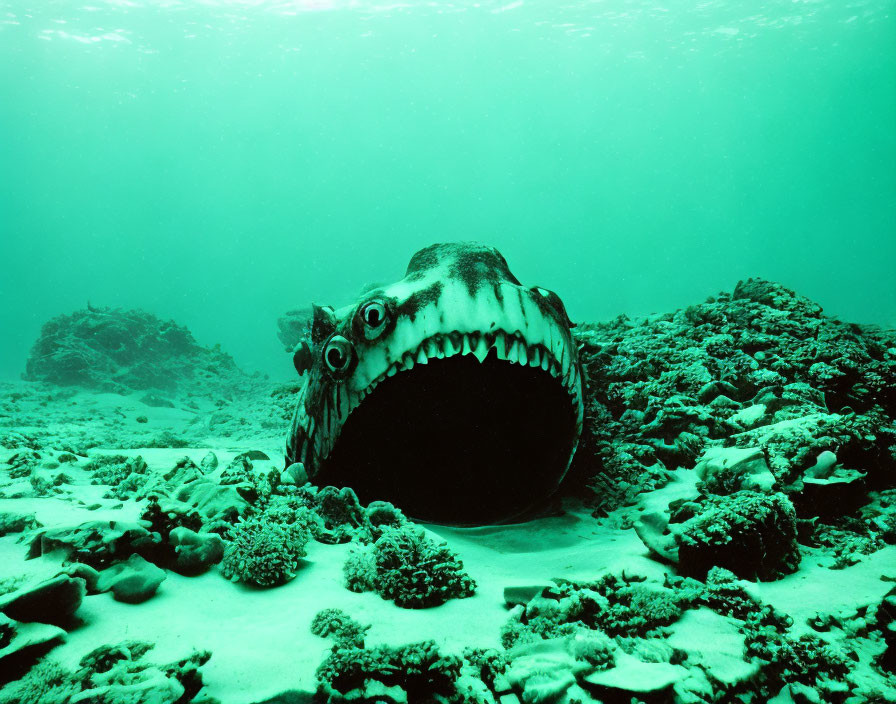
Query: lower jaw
458,441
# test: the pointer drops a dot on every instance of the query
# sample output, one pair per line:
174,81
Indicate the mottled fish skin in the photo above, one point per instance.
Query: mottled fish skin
455,298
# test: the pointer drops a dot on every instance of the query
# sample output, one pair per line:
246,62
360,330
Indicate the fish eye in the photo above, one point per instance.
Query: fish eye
374,316
338,354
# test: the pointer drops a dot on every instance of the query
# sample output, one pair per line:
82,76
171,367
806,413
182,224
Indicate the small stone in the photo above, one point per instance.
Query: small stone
209,463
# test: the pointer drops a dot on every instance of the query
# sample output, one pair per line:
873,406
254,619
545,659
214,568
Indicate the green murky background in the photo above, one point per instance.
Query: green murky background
221,162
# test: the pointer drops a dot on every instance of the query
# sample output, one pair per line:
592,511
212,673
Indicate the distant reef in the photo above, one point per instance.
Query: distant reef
113,349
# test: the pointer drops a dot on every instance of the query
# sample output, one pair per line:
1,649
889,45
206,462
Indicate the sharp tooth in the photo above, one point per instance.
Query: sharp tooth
481,350
433,350
513,354
408,360
501,346
545,361
534,357
392,371
466,347
554,369
421,357
451,346
523,354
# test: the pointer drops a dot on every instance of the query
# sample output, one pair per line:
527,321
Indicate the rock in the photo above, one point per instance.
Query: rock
652,529
195,552
53,601
633,677
17,637
543,670
85,572
16,522
209,463
254,455
66,457
827,490
824,465
523,594
291,696
749,416
215,503
156,401
118,350
715,643
293,326
133,581
142,419
95,543
736,468
297,474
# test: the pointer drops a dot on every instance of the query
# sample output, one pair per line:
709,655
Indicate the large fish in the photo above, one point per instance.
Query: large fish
455,393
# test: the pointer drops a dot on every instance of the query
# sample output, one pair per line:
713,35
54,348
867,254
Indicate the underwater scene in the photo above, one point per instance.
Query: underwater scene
433,352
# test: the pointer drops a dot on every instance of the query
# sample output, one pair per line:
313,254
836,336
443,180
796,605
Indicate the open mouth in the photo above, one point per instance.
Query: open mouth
464,429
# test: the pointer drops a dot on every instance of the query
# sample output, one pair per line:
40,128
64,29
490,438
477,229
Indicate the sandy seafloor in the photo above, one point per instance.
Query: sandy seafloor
260,640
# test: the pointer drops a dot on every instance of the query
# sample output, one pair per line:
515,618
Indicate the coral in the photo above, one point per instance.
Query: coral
410,569
613,605
22,463
594,648
114,469
344,629
341,512
806,659
48,682
359,571
753,534
420,670
263,553
662,389
111,674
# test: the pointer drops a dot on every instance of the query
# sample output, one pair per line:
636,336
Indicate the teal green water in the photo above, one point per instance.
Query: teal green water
222,162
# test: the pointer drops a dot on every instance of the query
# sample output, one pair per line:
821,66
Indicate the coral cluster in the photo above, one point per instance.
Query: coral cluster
760,366
409,568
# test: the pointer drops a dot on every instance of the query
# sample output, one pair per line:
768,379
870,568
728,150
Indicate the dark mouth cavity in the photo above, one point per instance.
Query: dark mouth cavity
458,441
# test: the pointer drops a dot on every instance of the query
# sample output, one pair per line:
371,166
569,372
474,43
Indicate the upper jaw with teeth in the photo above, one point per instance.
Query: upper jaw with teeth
509,347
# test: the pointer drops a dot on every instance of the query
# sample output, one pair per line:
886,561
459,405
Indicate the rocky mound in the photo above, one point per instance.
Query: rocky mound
112,349
759,367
